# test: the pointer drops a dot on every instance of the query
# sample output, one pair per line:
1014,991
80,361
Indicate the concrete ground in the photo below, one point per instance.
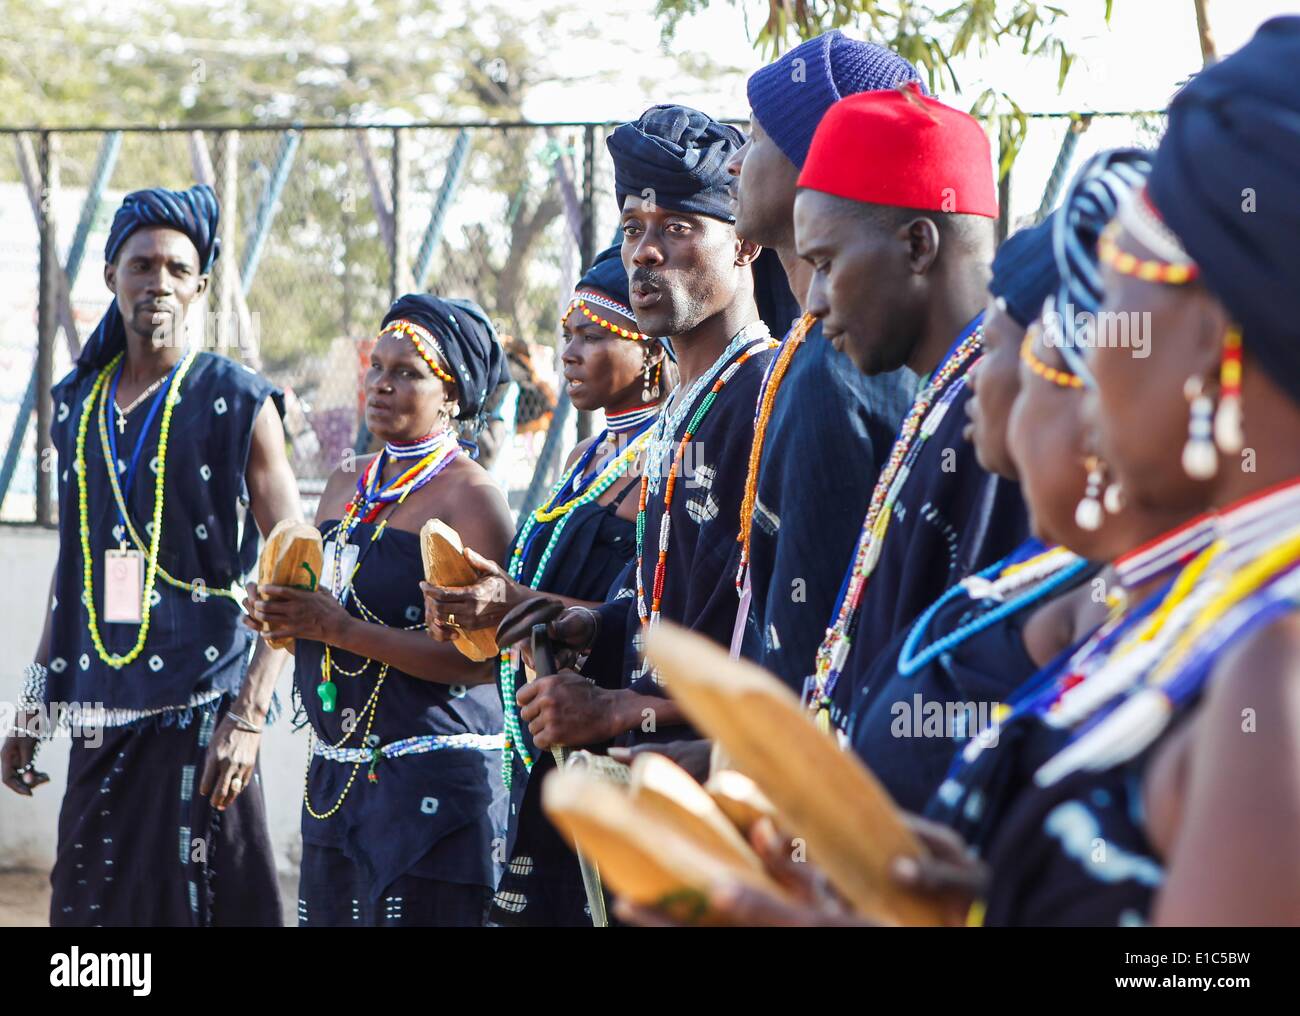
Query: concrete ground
25,899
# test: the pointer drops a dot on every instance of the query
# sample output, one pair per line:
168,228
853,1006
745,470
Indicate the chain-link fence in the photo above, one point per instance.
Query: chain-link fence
321,227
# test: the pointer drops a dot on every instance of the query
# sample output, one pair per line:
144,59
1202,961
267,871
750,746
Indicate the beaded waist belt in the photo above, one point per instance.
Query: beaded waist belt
413,746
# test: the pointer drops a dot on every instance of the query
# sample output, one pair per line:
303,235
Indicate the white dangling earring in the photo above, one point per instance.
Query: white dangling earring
645,385
1113,499
1200,459
1087,515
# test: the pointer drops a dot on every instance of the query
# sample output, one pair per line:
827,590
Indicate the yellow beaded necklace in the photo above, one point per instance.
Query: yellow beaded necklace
100,390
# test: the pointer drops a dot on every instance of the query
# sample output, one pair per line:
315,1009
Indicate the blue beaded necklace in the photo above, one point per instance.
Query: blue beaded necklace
913,656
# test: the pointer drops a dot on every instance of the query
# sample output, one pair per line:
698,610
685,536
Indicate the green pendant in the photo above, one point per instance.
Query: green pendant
328,693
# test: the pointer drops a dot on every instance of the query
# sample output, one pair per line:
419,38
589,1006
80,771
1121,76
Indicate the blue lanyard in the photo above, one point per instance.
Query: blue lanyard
154,405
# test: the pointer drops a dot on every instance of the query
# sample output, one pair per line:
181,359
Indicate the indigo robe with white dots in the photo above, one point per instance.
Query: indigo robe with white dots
197,650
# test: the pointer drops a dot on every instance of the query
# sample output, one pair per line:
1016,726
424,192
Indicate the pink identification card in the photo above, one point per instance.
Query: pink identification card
123,586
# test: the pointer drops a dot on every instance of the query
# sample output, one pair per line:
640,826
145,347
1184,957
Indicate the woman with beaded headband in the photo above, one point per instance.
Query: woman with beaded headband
402,802
1179,750
573,546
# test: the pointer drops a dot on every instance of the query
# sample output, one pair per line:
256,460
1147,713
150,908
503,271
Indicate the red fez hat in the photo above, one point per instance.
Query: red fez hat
902,148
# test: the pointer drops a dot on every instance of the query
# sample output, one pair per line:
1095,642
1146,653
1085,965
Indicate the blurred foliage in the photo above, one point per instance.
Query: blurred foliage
325,270
931,39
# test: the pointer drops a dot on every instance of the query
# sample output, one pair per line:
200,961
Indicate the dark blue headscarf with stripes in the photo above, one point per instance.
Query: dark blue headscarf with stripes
1090,203
193,212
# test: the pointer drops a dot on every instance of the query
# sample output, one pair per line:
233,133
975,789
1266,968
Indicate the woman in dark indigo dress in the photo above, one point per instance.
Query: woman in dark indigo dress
171,459
574,547
403,810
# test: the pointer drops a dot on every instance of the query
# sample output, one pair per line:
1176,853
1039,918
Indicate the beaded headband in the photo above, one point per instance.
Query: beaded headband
1172,264
419,336
1060,378
584,297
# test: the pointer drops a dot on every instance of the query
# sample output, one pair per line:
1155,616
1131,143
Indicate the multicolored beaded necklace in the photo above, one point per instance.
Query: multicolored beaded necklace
1043,571
772,379
758,339
923,419
100,390
1248,575
678,405
1153,561
365,506
560,513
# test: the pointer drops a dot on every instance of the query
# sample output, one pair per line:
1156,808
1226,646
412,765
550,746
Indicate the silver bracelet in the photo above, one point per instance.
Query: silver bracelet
32,697
246,725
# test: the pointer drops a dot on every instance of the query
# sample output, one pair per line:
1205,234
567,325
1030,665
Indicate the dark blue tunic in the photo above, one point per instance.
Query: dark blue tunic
890,726
163,858
197,647
830,428
952,519
438,816
703,552
542,886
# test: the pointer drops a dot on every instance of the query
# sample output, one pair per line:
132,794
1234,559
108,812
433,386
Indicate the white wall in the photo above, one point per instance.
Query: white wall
29,826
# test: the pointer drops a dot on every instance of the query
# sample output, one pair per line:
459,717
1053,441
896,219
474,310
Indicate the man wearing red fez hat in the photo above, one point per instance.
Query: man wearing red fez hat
895,216
802,510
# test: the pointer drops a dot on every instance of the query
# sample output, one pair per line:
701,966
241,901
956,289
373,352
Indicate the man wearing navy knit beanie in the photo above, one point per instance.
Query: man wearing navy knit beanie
829,426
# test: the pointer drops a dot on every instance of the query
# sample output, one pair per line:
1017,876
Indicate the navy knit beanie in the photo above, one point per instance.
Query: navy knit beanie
1025,272
789,97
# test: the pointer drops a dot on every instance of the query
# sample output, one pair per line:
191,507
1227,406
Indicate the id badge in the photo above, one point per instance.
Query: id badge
351,552
123,586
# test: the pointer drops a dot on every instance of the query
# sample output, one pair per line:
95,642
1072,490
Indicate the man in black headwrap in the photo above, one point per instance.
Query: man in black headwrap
691,280
163,450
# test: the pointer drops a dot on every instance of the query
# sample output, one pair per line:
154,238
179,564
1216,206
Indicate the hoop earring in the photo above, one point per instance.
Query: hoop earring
1200,459
1088,513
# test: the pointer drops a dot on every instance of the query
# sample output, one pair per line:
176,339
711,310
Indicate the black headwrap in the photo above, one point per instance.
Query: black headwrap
1226,180
468,344
1024,271
676,157
609,276
193,212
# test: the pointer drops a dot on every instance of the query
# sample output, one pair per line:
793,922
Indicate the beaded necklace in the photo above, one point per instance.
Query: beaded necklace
678,405
631,420
100,390
360,510
1121,710
775,375
235,593
416,449
561,514
1040,695
1044,573
650,615
923,419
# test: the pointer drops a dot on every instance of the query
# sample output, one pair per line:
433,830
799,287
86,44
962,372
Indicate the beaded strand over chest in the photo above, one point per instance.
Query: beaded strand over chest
557,516
649,613
923,419
678,405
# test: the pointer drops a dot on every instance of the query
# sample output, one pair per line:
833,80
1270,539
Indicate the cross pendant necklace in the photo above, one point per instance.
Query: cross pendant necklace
122,413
